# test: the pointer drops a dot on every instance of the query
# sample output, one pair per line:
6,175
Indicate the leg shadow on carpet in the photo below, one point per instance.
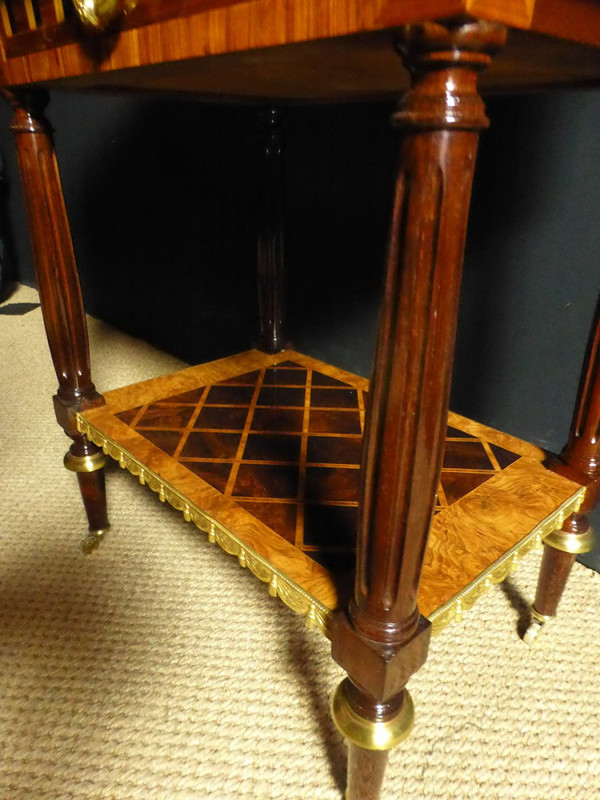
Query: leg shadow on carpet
305,663
518,603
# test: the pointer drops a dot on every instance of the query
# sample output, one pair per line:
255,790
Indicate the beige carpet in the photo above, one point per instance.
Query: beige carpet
157,668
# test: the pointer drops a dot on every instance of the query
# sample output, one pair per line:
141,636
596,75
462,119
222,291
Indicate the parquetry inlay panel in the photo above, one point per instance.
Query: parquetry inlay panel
284,443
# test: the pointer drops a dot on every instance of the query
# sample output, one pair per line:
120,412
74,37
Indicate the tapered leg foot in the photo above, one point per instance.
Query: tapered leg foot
366,769
87,461
538,624
560,551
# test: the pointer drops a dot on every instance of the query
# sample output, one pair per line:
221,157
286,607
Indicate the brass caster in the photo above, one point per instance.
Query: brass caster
538,623
92,541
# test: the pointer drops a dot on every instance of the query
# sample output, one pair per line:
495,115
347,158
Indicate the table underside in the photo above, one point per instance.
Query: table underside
343,69
262,452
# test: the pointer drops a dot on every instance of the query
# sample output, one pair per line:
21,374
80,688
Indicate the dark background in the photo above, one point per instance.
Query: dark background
162,199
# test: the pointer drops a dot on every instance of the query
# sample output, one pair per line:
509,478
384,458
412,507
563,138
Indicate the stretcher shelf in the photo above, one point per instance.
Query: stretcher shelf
262,452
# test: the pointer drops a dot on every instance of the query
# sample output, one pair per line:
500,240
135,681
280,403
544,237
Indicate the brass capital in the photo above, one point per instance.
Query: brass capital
90,463
574,543
382,735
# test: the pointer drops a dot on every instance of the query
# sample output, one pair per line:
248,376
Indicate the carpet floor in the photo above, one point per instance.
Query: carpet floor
156,668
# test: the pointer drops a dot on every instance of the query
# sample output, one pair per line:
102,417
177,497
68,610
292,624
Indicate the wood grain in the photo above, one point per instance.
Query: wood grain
58,285
405,427
255,31
496,437
517,13
474,532
54,258
498,514
213,372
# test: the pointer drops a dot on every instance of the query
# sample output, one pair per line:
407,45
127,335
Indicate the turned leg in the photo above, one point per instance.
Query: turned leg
381,639
580,460
60,294
271,235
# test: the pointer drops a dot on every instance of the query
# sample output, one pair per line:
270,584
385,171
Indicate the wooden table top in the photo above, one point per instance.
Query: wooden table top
276,49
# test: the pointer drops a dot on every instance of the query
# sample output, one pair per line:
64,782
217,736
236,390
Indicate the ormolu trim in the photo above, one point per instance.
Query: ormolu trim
294,596
574,543
98,15
452,610
371,735
84,463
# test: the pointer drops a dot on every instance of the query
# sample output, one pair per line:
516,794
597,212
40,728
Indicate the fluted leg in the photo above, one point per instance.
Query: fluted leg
381,639
579,460
60,293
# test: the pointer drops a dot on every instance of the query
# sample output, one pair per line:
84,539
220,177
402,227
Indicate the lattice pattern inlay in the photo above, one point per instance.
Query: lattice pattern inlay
284,443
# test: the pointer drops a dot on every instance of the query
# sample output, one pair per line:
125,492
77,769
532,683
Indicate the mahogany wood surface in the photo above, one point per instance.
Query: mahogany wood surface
555,570
92,486
56,270
406,419
251,33
58,284
368,770
93,493
381,639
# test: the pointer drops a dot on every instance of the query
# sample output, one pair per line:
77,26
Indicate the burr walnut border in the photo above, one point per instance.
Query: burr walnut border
317,614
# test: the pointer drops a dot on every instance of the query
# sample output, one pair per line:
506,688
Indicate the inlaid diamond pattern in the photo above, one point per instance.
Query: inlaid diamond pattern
284,443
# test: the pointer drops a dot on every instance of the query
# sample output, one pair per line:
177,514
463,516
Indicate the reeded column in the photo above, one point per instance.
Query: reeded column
381,640
60,293
580,460
271,293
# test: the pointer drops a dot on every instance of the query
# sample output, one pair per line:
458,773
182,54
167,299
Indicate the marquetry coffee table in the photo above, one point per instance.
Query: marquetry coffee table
364,506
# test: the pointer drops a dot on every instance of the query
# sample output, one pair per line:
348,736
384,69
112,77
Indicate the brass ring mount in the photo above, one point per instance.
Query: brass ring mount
574,543
90,463
370,735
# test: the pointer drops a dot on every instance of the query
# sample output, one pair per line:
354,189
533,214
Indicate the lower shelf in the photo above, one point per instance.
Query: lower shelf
262,452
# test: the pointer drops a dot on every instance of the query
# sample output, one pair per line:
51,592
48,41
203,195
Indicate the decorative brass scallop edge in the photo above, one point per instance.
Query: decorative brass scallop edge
451,612
294,596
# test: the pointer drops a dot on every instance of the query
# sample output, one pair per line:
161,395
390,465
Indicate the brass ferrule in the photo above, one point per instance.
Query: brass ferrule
93,539
574,543
85,463
367,734
543,619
